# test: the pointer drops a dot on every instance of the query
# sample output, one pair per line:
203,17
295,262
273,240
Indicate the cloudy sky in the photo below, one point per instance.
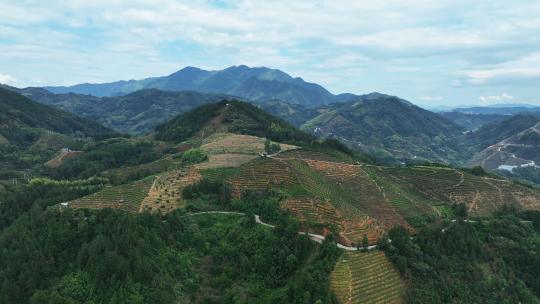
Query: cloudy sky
429,52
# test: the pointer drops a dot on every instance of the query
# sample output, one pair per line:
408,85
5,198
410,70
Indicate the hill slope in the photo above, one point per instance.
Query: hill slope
189,231
518,154
134,113
30,132
389,128
229,116
295,114
18,111
472,122
256,84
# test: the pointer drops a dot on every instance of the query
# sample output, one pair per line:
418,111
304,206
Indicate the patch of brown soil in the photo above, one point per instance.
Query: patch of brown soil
166,192
59,159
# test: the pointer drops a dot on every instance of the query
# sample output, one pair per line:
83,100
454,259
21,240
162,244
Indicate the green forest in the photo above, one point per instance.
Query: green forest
106,256
487,260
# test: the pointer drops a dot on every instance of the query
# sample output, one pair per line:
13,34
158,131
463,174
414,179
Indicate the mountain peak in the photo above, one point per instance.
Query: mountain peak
232,116
252,83
376,96
187,70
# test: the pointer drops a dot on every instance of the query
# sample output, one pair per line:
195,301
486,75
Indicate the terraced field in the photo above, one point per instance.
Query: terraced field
312,210
321,216
366,277
225,160
416,208
367,194
226,143
125,197
165,194
314,155
314,198
448,186
263,173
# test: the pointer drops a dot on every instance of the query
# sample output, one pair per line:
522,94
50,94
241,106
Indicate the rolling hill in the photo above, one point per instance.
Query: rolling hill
326,189
190,210
17,111
389,128
135,113
31,133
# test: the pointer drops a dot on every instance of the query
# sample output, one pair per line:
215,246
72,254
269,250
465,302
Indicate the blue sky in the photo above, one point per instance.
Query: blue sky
429,52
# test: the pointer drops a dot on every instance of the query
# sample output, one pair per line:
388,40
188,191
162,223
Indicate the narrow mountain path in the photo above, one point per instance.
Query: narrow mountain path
150,197
461,179
314,237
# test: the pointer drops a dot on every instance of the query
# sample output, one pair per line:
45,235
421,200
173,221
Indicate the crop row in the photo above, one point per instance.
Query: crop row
372,279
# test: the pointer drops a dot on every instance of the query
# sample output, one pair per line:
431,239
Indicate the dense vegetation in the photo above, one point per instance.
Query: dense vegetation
114,257
111,153
31,133
234,116
17,110
136,113
389,128
39,193
495,260
186,125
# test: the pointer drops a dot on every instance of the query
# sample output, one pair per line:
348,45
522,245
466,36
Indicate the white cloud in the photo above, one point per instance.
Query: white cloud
400,47
504,97
527,66
7,79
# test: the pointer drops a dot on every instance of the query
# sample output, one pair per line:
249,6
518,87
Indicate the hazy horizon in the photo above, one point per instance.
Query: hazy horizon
447,53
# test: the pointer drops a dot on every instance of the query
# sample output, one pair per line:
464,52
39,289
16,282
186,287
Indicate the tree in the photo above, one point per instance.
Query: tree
479,171
267,146
365,243
270,147
461,210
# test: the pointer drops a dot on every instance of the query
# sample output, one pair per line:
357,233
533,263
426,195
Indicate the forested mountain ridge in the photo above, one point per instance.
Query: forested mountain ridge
256,84
135,113
389,128
17,110
32,133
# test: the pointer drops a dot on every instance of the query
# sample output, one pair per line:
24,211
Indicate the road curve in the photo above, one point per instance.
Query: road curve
314,237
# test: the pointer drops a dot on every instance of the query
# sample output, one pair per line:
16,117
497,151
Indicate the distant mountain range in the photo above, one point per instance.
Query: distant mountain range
256,84
470,121
499,109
